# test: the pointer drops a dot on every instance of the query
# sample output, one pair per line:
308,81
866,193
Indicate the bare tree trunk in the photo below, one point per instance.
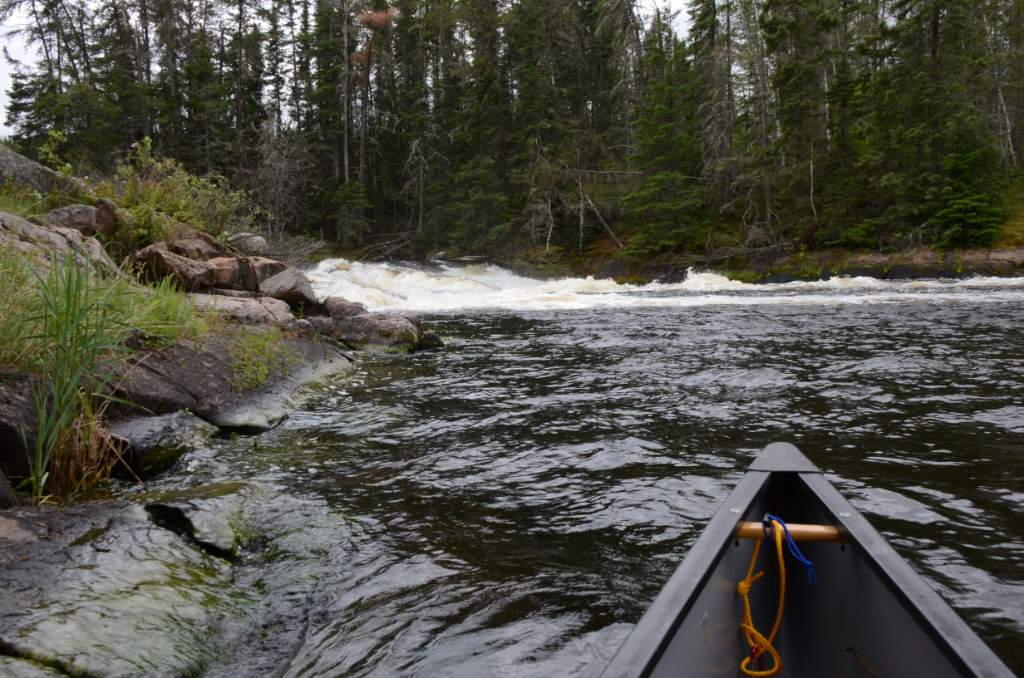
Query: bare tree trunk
345,89
581,208
604,223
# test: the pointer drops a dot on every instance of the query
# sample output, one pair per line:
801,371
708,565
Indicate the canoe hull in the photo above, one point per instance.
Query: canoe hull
870,613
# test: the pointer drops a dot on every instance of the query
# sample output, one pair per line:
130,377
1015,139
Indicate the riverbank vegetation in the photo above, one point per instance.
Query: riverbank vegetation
472,125
69,328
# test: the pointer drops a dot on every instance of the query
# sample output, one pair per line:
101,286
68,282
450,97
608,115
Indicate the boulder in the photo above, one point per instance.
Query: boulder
79,217
377,332
40,243
159,262
226,273
430,341
258,311
199,377
291,287
157,442
243,273
16,168
322,324
195,247
249,243
106,217
17,423
263,268
339,308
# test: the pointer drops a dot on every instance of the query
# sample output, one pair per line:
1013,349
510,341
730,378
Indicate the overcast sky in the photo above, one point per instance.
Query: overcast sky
17,48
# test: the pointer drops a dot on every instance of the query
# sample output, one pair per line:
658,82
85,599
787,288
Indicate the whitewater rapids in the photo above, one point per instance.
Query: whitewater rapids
445,288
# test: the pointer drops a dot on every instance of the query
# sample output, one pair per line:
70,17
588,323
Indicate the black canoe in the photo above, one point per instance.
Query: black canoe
869,614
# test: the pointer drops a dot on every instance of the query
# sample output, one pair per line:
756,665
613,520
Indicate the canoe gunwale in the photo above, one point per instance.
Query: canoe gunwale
655,630
640,653
952,634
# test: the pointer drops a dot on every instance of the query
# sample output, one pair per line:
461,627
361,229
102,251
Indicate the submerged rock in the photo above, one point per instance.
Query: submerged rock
158,442
218,579
430,341
102,590
25,668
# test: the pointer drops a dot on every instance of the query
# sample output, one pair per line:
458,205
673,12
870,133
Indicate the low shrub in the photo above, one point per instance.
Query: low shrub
157,194
255,356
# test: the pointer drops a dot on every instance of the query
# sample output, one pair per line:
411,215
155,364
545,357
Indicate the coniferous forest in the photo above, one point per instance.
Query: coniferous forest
479,125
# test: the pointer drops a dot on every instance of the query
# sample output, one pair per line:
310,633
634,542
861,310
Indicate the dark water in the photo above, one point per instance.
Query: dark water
510,505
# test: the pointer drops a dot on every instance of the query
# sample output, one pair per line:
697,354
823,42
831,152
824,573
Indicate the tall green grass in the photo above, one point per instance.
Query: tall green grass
71,329
78,329
21,201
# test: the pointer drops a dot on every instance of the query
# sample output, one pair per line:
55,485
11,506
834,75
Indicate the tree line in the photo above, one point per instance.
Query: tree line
480,125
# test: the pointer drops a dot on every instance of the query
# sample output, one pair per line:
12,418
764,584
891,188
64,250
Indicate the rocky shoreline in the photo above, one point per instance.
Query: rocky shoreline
170,565
179,391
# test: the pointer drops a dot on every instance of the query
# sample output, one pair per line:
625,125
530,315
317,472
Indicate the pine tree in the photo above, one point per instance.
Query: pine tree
667,205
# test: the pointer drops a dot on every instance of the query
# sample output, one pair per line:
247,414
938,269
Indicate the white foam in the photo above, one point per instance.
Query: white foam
449,288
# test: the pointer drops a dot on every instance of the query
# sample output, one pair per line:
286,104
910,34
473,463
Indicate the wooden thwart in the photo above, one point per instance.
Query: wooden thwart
800,532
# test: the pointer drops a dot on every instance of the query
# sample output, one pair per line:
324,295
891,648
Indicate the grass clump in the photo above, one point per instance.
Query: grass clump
71,328
21,201
76,330
255,356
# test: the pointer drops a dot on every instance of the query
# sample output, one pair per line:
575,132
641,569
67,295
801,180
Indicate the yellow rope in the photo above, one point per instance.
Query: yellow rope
758,643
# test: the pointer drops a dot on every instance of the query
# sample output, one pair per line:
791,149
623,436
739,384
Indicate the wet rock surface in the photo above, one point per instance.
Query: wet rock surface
166,584
378,332
156,443
198,377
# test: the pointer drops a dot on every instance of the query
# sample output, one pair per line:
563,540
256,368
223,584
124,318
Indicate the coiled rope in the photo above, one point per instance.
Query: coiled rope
774,528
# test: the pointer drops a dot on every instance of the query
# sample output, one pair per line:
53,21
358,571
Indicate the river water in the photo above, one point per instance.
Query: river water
509,505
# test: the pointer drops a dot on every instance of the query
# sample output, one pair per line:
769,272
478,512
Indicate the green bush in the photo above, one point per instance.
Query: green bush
158,194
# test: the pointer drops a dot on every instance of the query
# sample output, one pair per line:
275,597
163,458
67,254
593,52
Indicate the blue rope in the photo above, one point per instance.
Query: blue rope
794,550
